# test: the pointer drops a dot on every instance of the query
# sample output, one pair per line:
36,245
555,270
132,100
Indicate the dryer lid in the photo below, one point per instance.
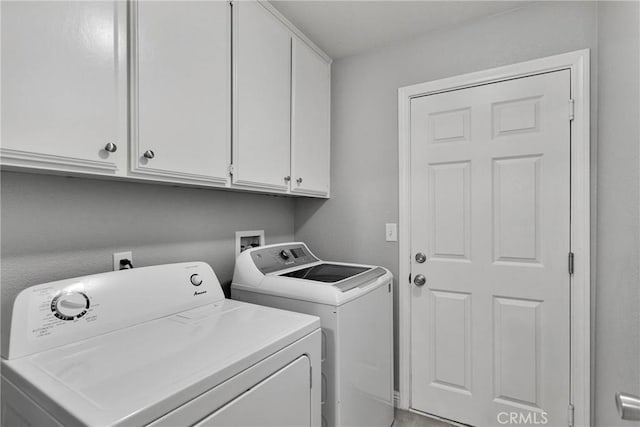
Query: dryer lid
135,375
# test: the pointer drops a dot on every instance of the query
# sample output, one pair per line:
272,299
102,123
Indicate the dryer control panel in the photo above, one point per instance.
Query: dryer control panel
281,257
58,313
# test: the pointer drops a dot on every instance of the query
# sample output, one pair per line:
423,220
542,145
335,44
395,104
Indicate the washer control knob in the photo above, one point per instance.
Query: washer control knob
196,280
70,305
284,254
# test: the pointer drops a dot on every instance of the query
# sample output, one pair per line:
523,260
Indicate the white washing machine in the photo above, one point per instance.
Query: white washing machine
355,306
157,346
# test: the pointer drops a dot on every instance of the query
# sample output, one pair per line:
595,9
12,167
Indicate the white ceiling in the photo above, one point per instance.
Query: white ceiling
343,28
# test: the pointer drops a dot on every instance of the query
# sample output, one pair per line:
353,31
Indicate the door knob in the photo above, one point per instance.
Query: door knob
287,178
420,257
299,181
419,280
149,154
111,147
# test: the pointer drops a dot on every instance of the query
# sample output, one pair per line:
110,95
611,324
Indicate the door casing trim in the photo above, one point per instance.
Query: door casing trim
580,282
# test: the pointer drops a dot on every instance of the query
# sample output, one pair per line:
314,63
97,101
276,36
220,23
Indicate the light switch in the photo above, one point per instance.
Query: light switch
391,232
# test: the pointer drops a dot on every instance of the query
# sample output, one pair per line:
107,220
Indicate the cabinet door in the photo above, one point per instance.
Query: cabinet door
181,90
261,146
64,85
310,112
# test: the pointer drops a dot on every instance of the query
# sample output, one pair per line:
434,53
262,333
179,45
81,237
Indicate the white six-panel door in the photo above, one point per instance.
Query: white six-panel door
490,189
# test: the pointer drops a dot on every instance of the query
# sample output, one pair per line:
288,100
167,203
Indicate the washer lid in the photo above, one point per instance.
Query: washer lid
345,277
326,272
138,374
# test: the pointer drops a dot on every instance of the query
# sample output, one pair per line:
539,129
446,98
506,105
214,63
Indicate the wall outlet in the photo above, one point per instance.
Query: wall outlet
391,232
117,256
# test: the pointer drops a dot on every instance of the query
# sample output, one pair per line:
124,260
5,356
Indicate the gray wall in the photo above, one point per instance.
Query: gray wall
617,286
55,227
350,226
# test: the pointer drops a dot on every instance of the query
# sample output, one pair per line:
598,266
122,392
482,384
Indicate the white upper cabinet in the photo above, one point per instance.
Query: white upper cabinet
64,86
181,74
202,93
310,121
262,105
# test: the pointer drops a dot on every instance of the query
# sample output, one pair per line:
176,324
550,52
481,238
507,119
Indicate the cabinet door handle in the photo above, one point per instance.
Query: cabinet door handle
299,180
149,154
111,147
287,178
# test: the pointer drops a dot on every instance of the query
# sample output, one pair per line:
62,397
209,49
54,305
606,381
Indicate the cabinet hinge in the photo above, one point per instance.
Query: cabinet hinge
570,263
310,376
409,277
572,107
570,412
231,169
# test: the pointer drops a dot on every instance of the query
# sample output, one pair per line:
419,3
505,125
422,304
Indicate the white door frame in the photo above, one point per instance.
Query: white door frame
578,63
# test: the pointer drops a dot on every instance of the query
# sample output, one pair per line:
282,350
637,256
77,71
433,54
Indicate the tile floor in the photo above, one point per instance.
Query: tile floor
409,419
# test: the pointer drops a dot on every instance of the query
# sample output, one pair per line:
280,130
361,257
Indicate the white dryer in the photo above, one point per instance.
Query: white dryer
355,305
157,346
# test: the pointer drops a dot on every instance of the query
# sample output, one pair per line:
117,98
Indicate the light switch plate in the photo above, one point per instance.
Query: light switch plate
391,232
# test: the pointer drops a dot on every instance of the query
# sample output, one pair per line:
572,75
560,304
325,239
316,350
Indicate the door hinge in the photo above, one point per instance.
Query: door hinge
570,415
572,108
409,277
389,284
231,169
570,263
